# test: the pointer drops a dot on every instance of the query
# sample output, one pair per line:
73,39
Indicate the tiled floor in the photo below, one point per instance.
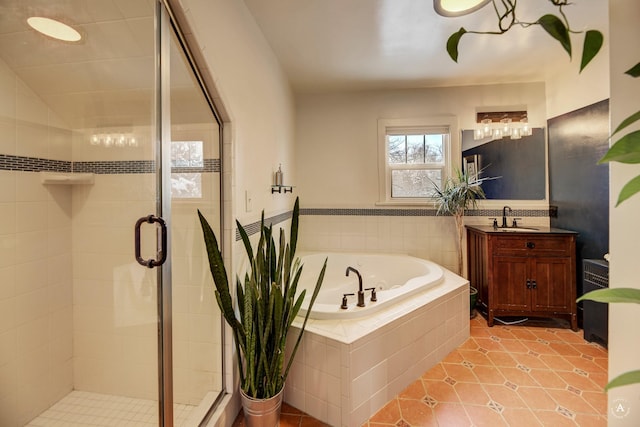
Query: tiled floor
531,374
525,375
81,408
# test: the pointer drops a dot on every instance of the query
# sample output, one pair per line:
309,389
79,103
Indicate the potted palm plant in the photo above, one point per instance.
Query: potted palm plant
266,303
459,193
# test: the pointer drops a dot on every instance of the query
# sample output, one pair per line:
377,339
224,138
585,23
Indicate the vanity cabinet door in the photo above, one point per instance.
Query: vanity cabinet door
553,289
510,279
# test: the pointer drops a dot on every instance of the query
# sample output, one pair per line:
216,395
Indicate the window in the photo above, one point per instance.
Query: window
415,156
186,155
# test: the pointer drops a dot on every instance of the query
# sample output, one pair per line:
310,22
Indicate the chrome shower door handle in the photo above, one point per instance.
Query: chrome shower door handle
162,243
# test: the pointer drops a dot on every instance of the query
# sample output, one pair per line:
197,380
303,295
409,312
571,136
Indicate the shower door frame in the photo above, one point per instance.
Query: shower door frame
166,26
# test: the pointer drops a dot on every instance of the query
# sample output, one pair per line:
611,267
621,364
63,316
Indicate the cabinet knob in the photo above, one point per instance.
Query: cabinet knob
531,245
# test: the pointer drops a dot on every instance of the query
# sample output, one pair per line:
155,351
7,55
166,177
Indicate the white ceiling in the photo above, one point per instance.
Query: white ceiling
376,44
322,45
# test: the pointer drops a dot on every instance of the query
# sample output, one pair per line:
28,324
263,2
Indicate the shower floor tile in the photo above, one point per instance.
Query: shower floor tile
81,408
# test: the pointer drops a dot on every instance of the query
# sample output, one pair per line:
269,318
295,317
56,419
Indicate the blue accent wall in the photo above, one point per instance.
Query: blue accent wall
578,186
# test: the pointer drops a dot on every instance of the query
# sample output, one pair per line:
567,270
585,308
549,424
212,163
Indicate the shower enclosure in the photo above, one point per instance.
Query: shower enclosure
108,146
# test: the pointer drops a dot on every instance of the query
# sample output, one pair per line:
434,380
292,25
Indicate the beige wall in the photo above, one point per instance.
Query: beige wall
35,260
567,89
257,96
337,134
337,161
624,335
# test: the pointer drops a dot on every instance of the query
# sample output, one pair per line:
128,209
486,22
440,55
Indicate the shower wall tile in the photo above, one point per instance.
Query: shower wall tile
7,133
29,216
424,237
59,143
8,215
29,107
29,188
7,250
32,139
8,185
7,92
35,267
7,282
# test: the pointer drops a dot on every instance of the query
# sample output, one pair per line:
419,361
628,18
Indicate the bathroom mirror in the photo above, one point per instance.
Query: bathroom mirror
520,164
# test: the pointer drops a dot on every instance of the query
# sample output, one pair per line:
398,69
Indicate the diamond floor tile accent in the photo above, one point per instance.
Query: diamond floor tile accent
565,412
430,401
511,385
495,406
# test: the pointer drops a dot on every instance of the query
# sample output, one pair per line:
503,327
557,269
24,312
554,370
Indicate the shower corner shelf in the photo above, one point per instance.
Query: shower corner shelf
281,189
66,178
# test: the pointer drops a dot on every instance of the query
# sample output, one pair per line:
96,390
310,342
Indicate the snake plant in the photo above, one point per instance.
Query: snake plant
266,304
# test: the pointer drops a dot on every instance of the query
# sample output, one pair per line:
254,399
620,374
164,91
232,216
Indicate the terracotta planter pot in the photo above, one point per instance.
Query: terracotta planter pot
261,412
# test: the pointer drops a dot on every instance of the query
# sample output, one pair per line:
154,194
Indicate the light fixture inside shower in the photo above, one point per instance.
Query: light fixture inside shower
117,140
54,29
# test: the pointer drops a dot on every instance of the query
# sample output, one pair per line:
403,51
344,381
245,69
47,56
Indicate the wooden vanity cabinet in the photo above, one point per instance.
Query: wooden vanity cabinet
529,274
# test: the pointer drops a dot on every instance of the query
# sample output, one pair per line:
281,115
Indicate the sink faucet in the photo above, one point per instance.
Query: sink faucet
360,290
504,216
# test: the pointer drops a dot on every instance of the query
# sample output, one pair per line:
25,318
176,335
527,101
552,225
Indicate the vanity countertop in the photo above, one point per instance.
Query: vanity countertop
519,230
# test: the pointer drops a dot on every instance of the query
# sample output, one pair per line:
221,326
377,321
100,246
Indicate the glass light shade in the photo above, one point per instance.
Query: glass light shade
478,133
487,128
516,133
452,8
497,133
505,126
526,128
55,29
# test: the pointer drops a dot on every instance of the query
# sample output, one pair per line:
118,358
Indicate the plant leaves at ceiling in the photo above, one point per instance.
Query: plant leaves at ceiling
634,71
593,40
452,43
556,29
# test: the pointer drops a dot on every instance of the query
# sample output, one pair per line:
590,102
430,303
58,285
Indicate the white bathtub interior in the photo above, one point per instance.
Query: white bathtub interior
393,277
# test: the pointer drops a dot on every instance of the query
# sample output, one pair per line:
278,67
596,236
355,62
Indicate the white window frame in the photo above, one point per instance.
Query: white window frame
414,125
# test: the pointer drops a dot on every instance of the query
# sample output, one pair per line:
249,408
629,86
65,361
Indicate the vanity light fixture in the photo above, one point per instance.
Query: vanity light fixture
54,29
452,8
496,125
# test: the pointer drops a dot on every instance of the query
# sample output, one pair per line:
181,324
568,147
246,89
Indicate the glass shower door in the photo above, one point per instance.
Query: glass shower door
86,153
195,185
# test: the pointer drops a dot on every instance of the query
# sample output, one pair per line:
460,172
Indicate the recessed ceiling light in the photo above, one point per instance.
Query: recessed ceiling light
457,7
52,28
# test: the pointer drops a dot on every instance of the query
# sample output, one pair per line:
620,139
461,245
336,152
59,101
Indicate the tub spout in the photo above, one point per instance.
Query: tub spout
360,290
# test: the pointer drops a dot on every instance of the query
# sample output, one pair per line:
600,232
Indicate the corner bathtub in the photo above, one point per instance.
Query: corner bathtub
395,277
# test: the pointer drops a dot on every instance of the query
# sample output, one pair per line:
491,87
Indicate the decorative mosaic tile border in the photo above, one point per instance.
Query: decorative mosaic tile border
34,164
115,167
422,212
254,227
